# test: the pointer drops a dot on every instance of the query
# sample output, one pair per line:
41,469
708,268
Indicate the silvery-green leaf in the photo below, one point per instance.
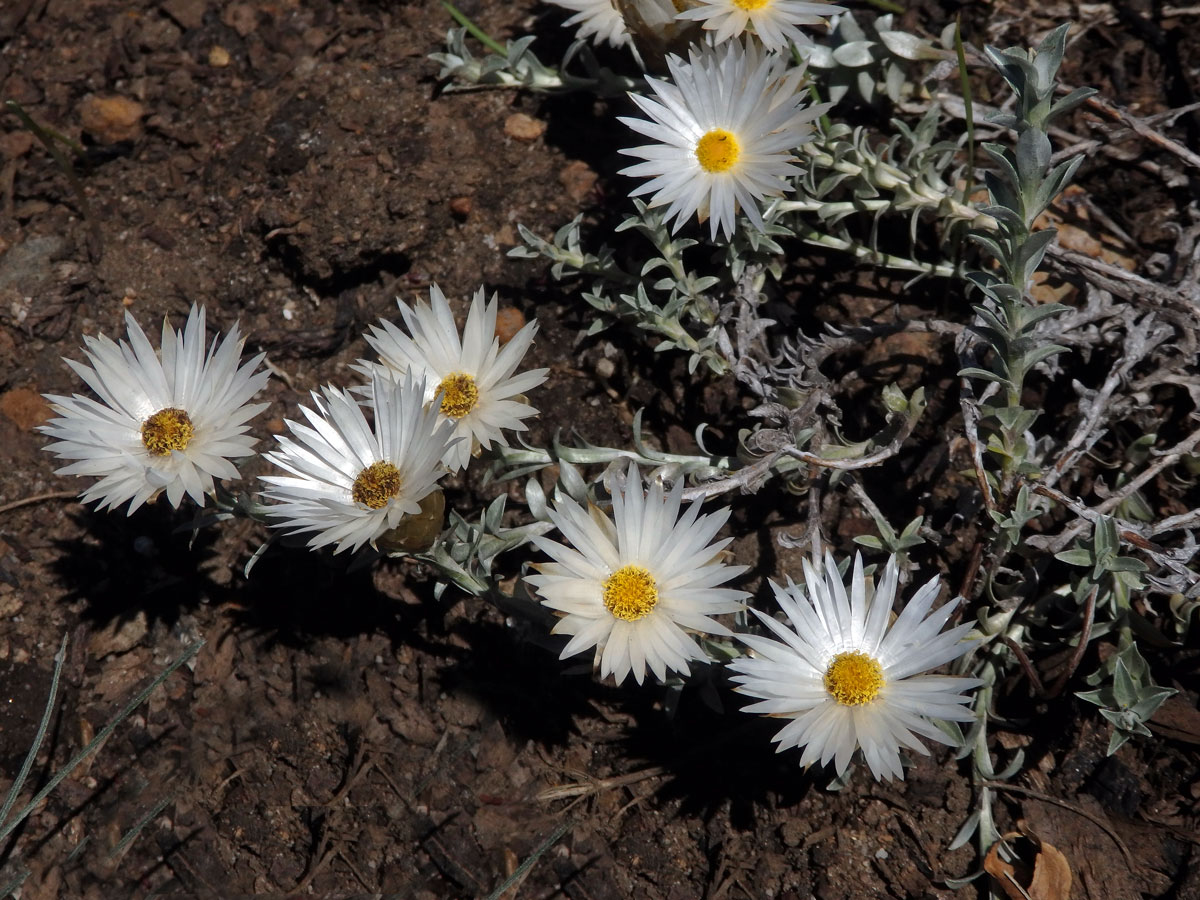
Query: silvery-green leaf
819,56
1100,697
964,835
893,83
866,86
1150,700
1124,688
1117,741
571,482
909,46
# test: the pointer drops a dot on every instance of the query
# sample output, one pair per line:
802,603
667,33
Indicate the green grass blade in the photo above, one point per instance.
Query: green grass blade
100,737
474,30
145,820
16,881
968,110
524,867
59,659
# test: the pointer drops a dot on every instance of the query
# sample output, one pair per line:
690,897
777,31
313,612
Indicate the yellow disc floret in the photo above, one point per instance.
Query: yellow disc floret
854,678
168,429
376,485
751,5
459,394
717,151
630,593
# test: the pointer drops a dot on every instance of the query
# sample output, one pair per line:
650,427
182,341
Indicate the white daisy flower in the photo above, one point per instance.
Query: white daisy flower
845,679
597,19
634,585
725,131
162,424
350,482
474,375
773,21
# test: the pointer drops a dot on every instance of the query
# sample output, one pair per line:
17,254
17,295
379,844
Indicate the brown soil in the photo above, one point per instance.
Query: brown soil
293,167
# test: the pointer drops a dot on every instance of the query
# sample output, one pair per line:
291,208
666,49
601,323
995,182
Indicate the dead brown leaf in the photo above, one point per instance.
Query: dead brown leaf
1176,719
1038,870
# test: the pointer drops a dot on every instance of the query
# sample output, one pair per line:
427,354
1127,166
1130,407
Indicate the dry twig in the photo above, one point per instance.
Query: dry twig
38,498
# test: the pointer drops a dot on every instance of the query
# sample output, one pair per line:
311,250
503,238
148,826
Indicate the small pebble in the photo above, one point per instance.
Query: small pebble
111,120
577,180
523,127
25,407
218,57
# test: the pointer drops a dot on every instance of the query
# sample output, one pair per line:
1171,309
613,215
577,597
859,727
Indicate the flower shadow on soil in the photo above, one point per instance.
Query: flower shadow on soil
151,562
711,758
717,759
123,565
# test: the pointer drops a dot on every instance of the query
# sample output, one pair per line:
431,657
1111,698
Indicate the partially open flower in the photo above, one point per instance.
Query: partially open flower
597,19
657,30
633,586
774,22
847,680
163,424
352,483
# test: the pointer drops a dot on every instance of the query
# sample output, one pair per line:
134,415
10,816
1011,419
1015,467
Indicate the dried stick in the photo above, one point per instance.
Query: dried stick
1090,515
1026,665
748,478
38,498
1102,106
1126,284
1089,429
1180,522
588,784
1168,459
970,411
1085,635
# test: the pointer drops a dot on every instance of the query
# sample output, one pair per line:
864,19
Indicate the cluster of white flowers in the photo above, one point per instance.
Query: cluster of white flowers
172,422
637,586
642,587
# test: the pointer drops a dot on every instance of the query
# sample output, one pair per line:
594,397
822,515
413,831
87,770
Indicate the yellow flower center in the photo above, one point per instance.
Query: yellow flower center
854,678
630,593
459,394
168,429
376,485
717,151
751,5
